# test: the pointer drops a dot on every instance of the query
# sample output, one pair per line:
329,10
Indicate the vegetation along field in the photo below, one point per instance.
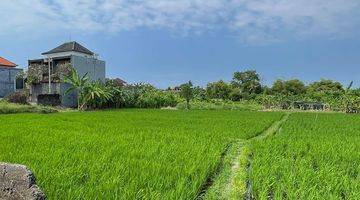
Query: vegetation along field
127,154
313,156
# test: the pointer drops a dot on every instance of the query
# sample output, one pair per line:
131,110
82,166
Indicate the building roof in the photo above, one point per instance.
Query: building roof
6,63
70,46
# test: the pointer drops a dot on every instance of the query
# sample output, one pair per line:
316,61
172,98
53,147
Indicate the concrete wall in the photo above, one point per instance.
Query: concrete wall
95,68
67,99
7,80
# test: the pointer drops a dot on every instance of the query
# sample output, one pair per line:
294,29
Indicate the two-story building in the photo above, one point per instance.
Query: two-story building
8,81
70,53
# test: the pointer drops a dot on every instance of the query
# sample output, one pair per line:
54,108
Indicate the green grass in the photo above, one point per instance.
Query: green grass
313,156
11,108
126,154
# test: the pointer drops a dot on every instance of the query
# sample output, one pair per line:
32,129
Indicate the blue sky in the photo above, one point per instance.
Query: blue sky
166,42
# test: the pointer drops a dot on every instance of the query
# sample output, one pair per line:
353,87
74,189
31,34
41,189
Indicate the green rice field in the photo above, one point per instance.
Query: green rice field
313,156
127,154
179,154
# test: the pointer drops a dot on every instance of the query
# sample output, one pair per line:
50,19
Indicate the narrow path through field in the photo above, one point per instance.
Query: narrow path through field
272,130
212,177
233,182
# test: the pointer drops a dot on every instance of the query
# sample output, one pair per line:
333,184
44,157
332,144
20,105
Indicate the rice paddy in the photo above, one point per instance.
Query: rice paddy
199,154
127,154
313,156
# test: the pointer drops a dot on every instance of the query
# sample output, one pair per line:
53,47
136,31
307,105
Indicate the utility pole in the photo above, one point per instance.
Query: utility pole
49,59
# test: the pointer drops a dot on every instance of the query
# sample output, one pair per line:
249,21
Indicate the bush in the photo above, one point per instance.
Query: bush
153,98
10,108
140,96
19,97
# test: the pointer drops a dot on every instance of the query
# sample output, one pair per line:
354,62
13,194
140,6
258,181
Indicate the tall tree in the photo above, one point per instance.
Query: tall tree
186,92
326,86
247,81
218,90
293,87
278,87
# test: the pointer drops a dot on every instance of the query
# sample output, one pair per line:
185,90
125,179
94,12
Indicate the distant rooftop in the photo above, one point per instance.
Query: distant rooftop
6,63
70,46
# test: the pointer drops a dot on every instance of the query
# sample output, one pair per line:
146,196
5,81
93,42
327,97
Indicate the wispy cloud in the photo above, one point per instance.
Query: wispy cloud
251,21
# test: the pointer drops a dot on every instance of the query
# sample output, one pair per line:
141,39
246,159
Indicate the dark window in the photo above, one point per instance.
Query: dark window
19,83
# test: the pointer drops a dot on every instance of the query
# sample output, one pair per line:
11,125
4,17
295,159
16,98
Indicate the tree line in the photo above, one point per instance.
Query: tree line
246,85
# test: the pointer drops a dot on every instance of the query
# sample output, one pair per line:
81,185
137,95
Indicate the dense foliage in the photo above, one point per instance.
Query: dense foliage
19,97
97,95
126,154
39,72
140,96
285,94
245,86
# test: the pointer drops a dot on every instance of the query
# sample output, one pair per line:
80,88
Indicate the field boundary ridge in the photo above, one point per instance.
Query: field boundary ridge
231,178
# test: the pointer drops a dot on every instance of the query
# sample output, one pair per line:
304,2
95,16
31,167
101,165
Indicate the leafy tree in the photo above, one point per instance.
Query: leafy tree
247,81
326,87
266,90
199,93
218,90
236,94
289,87
186,92
278,87
295,87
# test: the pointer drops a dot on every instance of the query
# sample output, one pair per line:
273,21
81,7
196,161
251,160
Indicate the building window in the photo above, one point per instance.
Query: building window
19,83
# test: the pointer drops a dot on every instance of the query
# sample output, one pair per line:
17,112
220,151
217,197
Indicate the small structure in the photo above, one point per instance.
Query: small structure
8,80
303,105
46,74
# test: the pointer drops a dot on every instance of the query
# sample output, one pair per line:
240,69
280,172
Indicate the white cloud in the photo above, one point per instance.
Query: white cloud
258,21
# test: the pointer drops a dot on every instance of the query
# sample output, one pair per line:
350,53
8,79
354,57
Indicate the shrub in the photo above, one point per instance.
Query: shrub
154,98
9,108
19,97
140,96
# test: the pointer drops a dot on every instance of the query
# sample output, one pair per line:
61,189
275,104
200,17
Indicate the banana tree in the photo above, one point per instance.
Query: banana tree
78,84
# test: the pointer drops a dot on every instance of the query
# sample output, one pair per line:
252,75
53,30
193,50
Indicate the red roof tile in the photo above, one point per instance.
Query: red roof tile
6,63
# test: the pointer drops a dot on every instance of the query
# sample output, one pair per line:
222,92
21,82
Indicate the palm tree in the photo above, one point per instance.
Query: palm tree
77,83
